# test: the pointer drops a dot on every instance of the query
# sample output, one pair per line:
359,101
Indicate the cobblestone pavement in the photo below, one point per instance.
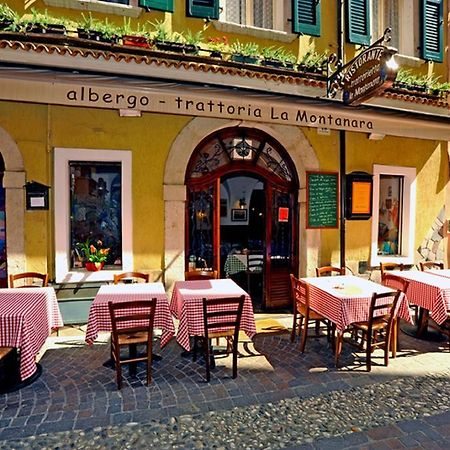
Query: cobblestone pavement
280,399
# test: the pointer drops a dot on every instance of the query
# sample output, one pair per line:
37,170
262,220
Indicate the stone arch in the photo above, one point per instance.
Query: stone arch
13,182
290,137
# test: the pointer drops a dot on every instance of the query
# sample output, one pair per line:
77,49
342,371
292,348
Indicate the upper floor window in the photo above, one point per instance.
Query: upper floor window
402,17
267,14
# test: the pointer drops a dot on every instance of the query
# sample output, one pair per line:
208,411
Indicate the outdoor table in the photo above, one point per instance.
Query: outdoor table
27,316
432,294
441,272
187,306
99,318
345,299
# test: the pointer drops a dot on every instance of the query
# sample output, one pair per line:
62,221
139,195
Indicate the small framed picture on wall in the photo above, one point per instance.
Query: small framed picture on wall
239,215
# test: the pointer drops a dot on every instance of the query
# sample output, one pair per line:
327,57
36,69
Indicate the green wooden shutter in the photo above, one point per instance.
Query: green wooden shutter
432,30
358,21
306,17
203,8
160,5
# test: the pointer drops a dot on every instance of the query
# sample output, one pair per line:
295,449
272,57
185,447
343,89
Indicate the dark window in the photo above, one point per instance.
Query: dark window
96,209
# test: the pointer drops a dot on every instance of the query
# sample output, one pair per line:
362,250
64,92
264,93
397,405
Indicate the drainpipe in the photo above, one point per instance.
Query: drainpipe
342,152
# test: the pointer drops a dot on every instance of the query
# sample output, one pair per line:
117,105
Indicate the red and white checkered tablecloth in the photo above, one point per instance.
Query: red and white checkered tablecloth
27,316
441,272
346,299
187,301
100,320
428,291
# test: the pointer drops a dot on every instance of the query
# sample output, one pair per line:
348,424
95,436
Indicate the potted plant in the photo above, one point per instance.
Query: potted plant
278,57
313,62
138,37
192,41
217,46
172,41
94,255
9,19
247,53
96,30
42,22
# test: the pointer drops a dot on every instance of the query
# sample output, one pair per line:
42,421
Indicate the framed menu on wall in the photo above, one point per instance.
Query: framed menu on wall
322,199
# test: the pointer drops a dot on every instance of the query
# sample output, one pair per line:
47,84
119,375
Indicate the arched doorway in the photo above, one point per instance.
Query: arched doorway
242,195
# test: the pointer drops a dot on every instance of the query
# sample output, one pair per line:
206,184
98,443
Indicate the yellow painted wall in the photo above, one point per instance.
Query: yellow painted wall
148,137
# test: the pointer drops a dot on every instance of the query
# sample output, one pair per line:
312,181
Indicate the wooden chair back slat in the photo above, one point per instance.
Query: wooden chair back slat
135,277
201,274
329,270
426,265
28,279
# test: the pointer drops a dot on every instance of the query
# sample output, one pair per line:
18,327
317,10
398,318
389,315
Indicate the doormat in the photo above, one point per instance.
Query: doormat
270,326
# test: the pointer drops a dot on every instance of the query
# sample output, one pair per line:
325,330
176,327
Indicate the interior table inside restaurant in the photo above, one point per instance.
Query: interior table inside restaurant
187,306
431,292
27,317
345,299
99,317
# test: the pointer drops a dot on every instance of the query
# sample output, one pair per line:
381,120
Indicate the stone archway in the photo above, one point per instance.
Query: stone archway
13,182
290,137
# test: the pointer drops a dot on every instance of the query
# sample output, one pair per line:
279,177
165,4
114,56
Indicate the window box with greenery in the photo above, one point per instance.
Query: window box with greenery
172,41
218,46
9,19
278,57
43,23
247,53
96,30
139,37
313,62
422,85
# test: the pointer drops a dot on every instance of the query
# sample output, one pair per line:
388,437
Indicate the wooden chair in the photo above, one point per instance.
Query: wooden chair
384,267
303,313
329,270
426,265
255,268
220,313
132,324
377,331
201,274
134,277
401,285
28,279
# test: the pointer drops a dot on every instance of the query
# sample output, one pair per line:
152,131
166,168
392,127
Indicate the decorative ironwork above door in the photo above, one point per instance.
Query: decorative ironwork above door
239,145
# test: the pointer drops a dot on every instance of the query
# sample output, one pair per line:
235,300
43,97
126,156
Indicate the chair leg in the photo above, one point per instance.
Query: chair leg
393,339
116,359
369,350
149,361
304,333
206,353
294,326
235,355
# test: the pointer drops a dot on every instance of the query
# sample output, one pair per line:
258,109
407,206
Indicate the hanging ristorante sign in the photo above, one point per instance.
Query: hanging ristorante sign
370,73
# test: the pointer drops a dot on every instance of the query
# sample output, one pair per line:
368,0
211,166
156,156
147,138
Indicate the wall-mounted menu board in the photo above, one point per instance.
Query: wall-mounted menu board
322,199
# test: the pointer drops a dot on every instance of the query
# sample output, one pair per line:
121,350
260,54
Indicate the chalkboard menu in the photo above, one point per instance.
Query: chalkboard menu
322,199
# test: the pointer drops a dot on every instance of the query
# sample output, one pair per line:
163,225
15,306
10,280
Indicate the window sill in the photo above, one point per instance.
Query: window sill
409,61
260,33
85,276
97,6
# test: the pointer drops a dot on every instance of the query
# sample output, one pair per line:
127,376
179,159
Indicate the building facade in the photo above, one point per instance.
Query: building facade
183,156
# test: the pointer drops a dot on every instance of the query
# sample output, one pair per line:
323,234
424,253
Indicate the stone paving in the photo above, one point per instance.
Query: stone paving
75,402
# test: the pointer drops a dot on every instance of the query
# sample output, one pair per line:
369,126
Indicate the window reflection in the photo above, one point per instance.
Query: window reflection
95,209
